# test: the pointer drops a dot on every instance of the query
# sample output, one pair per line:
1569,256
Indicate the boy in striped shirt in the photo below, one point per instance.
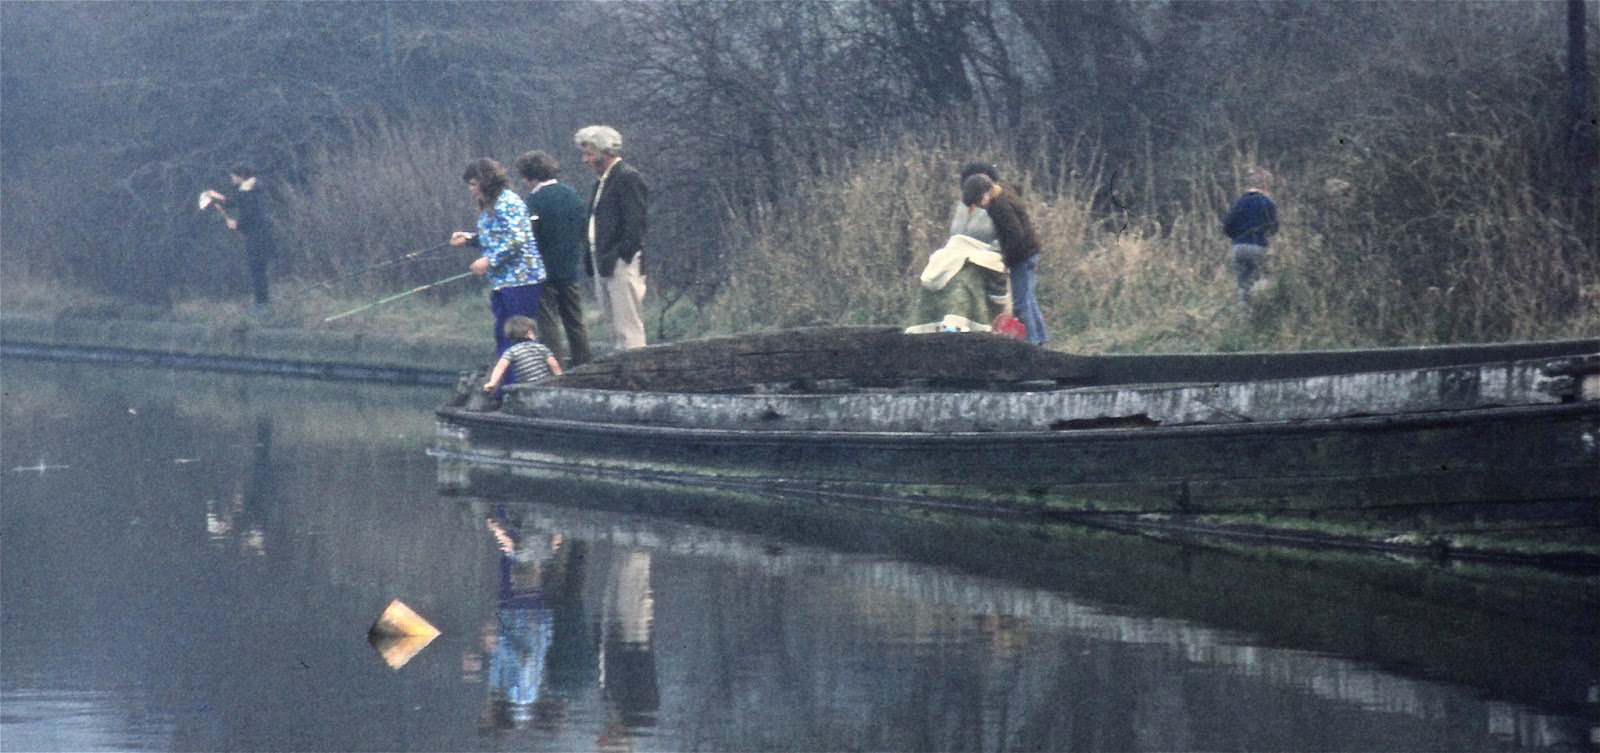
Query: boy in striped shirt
528,359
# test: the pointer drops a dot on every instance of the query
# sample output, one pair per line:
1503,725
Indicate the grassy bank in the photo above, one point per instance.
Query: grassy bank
1458,242
417,317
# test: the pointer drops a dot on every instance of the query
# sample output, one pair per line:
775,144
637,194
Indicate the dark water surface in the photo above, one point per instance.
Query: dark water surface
191,562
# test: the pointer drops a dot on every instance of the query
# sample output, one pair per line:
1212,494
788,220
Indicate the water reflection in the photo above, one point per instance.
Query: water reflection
517,641
541,649
240,522
222,604
398,650
627,664
819,646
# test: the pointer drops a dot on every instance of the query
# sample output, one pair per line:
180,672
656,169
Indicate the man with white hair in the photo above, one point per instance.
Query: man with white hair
616,233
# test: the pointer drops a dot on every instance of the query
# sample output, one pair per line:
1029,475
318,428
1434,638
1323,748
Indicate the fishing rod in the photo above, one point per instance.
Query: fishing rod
397,296
419,253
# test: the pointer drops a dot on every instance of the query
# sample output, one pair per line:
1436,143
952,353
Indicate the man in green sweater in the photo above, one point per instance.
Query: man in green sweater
558,227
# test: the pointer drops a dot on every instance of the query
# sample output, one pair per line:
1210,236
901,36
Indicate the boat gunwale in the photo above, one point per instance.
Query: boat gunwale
1379,422
1078,408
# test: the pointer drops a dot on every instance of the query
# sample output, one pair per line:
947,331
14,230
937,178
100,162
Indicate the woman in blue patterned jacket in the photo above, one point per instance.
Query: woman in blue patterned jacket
510,255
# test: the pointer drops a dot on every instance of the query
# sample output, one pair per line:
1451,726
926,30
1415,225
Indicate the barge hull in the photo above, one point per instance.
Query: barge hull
1499,456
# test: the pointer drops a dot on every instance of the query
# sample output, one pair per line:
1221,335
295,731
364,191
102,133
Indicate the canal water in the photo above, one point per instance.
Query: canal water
191,561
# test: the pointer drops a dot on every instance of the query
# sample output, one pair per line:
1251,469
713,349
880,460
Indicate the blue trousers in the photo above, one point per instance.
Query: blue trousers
1023,278
521,300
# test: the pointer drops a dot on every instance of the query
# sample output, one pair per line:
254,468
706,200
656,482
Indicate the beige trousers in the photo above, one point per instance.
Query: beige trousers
622,300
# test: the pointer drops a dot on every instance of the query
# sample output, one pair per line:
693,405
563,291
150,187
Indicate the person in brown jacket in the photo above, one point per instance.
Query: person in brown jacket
1019,245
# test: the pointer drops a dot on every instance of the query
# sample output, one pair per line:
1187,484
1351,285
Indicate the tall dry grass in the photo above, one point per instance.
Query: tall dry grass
1449,240
1454,236
396,191
849,247
837,251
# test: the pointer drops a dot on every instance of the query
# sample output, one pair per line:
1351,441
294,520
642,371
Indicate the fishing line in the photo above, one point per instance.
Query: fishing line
397,296
412,256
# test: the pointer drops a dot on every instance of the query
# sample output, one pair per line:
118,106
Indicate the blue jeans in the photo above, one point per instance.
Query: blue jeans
519,300
1026,304
1249,266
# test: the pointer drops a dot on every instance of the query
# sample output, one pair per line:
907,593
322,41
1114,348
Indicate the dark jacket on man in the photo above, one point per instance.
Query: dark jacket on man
250,212
619,218
1252,219
1013,229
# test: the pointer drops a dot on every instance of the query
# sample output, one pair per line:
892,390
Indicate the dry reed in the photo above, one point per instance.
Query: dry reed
1450,240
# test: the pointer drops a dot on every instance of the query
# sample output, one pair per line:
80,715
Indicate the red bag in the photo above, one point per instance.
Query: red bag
1010,326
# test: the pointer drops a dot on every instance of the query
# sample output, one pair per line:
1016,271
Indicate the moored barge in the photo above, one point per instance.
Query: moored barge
984,424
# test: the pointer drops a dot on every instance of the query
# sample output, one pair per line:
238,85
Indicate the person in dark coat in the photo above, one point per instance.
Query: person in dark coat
617,221
247,215
559,222
1019,246
1250,223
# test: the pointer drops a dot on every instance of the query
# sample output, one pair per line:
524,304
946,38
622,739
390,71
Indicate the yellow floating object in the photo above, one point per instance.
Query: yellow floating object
400,634
398,620
396,650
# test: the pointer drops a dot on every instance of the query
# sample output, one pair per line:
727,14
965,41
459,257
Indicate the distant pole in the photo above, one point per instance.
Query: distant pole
388,37
1581,127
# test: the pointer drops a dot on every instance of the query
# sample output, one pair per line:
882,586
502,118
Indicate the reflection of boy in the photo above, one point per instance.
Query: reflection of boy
516,668
528,360
526,627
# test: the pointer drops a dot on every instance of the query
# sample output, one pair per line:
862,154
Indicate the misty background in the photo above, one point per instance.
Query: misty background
1435,161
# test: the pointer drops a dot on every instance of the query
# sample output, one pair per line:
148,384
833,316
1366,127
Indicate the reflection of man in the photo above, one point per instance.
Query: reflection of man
628,667
616,230
544,647
254,494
